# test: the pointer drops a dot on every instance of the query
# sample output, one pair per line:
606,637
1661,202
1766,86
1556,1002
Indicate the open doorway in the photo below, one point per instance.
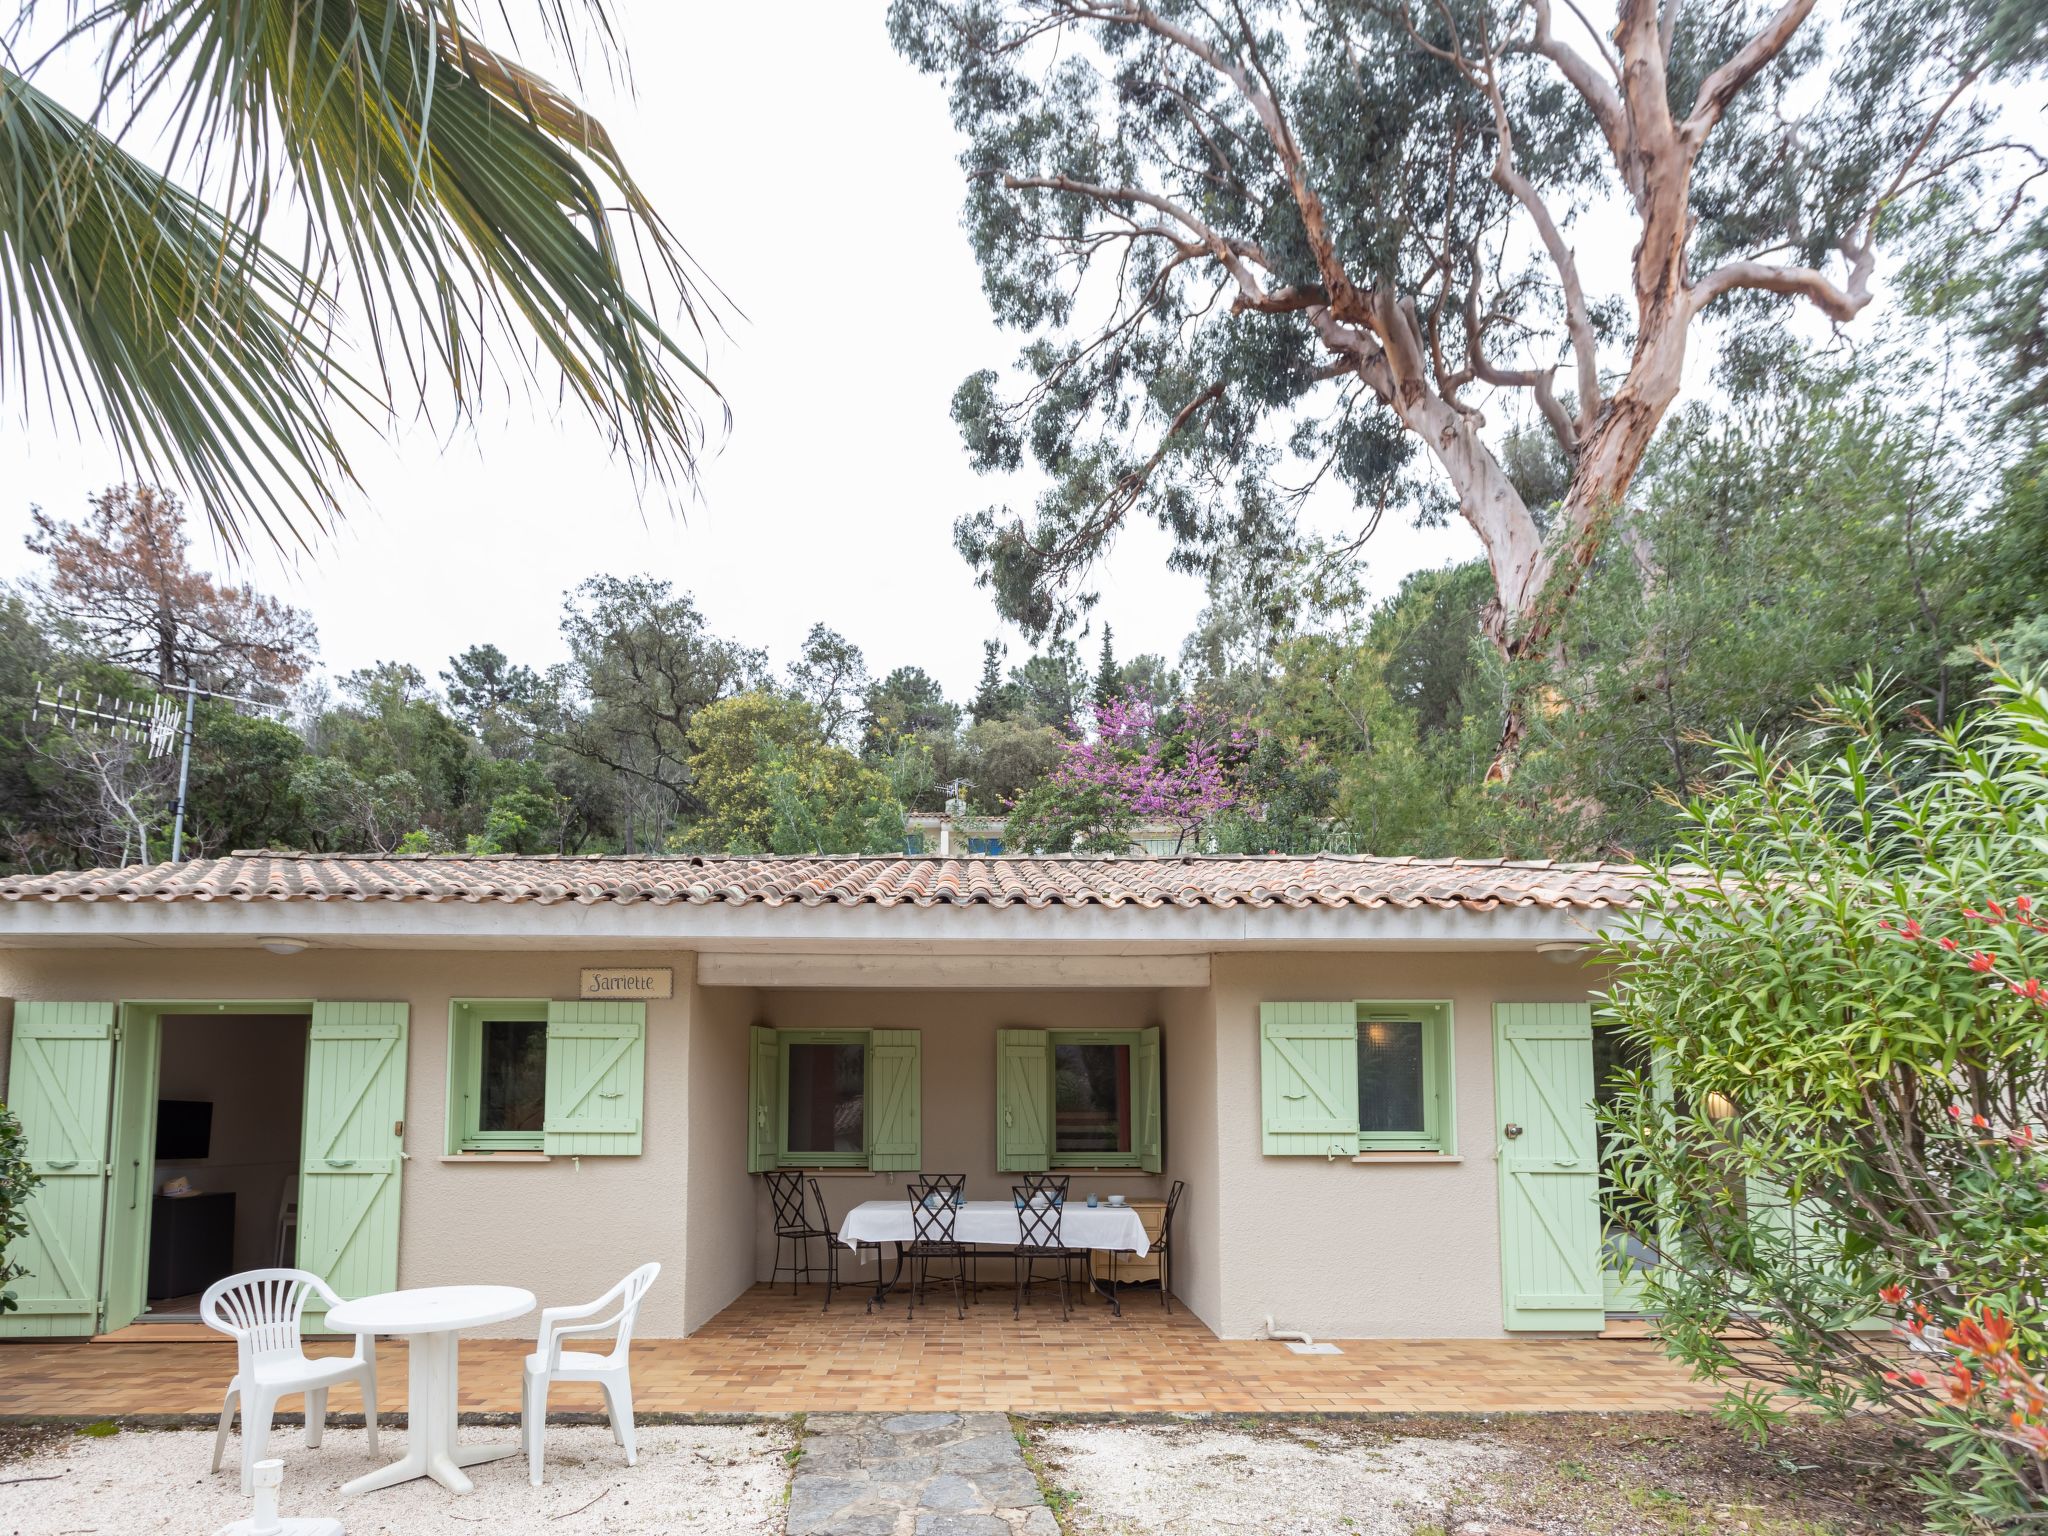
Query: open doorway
220,1181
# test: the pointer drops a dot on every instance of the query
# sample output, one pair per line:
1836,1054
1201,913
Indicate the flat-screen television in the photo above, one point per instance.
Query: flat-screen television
184,1129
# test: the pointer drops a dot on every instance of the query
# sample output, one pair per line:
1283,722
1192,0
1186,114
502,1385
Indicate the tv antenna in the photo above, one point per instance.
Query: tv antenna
151,724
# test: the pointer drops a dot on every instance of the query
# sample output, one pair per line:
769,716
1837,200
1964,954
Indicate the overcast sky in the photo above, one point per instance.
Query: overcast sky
812,172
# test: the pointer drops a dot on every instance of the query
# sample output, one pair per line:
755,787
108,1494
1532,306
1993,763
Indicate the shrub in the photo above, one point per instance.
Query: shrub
17,1182
1835,979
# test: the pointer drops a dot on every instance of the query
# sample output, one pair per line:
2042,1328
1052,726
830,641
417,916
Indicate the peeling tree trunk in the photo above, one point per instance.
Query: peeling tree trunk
1535,580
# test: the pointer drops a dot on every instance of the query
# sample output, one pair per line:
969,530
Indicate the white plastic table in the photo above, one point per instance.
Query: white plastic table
429,1320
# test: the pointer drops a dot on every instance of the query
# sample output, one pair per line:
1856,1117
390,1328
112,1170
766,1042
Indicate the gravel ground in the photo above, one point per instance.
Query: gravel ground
708,1478
1128,1480
1670,1474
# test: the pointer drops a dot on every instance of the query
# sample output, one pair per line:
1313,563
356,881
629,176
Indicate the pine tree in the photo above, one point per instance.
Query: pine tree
990,697
1108,676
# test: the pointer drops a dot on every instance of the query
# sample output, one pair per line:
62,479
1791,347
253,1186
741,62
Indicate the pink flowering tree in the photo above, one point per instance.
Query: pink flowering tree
1839,981
1137,764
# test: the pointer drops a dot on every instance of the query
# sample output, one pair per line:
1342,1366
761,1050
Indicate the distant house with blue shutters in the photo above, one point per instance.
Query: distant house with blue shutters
1375,1077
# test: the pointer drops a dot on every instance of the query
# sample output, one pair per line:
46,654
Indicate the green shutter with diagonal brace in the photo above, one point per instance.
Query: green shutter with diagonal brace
1150,1135
597,1062
1550,1252
61,1086
1023,1100
1308,1079
764,1098
895,1087
352,1147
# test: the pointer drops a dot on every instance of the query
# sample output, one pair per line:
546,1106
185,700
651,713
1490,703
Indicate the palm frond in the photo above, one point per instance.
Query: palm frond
471,202
128,302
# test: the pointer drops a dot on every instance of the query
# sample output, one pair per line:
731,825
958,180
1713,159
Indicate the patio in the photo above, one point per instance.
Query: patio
770,1353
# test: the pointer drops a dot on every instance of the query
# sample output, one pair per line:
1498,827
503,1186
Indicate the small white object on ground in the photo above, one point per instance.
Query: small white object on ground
1315,1349
713,1479
267,1522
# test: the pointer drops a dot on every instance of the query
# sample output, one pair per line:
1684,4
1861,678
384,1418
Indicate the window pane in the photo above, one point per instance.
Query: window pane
515,1075
1091,1098
828,1098
1390,1097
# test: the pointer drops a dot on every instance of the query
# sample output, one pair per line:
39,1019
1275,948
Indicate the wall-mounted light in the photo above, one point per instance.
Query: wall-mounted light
1565,953
1718,1105
281,946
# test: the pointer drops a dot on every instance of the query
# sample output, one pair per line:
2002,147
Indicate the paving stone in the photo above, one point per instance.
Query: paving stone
939,1474
1009,1488
961,1525
985,1453
918,1423
950,1491
1035,1521
874,1523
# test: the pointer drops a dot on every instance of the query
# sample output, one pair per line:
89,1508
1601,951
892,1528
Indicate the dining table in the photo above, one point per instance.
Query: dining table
996,1223
430,1319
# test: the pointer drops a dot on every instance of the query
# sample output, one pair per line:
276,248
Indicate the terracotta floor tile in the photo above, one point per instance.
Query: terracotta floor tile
771,1353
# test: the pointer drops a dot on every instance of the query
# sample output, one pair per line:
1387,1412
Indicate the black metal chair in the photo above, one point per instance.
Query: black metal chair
1163,1244
1041,1207
955,1185
933,1225
831,1243
793,1226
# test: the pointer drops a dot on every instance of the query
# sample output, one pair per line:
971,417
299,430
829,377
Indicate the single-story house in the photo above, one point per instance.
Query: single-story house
1375,1076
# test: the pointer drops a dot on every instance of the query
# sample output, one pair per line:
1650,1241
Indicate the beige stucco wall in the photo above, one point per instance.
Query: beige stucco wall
719,1209
563,1229
958,1060
1189,1048
1341,1250
1344,1250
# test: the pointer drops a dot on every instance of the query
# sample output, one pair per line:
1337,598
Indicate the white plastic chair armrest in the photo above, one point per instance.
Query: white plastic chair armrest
552,1336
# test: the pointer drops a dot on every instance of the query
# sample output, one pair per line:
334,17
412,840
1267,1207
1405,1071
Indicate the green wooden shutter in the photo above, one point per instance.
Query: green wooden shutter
1308,1078
1551,1272
895,1089
764,1092
597,1068
1023,1100
350,1160
61,1085
132,1166
1145,1106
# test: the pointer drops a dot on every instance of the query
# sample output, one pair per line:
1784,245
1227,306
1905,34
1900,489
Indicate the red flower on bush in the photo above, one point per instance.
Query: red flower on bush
1891,1295
1981,961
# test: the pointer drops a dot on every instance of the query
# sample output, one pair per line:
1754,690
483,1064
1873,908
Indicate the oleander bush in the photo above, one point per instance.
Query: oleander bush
17,1181
1834,1148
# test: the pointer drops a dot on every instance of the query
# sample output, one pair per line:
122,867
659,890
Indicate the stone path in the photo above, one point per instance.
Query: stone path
914,1474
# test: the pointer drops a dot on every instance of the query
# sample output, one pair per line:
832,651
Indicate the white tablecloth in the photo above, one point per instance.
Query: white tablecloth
998,1222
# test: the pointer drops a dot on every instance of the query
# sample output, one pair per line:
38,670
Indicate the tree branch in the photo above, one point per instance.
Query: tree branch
1837,303
1724,84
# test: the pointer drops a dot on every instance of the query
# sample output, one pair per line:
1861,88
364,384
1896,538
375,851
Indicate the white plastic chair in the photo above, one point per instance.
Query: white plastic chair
261,1309
613,1371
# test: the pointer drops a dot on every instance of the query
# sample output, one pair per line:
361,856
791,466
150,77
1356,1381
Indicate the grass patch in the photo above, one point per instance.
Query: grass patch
1058,1500
99,1429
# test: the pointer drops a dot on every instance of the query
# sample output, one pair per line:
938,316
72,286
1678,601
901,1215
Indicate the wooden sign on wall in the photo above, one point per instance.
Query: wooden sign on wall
636,985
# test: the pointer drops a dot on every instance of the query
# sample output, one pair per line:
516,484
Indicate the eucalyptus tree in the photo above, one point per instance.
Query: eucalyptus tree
468,216
1352,229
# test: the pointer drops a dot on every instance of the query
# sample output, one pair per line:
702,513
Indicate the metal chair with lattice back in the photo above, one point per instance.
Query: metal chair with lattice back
1163,1244
1041,1209
934,1227
831,1243
793,1226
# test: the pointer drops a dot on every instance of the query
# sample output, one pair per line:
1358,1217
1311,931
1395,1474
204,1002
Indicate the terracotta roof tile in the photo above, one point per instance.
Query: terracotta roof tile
1322,880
